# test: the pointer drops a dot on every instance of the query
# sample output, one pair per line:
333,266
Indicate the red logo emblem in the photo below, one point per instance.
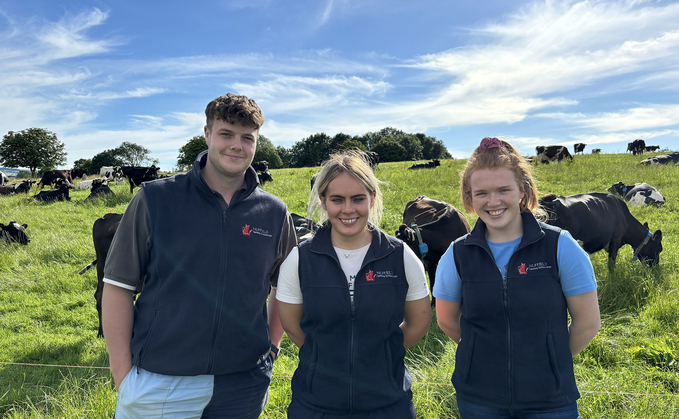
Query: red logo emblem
370,276
522,269
247,230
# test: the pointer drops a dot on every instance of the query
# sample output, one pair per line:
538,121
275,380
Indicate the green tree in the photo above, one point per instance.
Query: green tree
412,146
82,164
433,148
350,143
189,151
267,152
372,138
134,154
33,148
311,151
390,149
285,155
105,158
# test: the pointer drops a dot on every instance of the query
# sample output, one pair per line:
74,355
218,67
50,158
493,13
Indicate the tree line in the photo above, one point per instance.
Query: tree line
390,143
39,150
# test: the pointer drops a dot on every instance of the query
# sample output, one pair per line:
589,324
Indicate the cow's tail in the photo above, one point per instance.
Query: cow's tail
88,267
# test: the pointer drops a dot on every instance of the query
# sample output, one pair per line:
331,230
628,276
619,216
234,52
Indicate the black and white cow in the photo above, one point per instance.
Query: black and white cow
52,177
546,154
638,194
260,166
372,158
662,159
103,230
4,180
426,165
579,148
596,151
63,193
602,221
138,175
99,190
81,173
438,224
24,187
14,233
637,146
111,173
264,177
304,227
650,148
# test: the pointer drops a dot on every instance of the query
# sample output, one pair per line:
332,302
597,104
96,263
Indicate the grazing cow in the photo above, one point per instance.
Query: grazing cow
138,175
602,221
438,224
650,148
99,190
662,159
596,151
304,227
63,193
264,177
14,233
51,177
579,148
426,165
638,194
637,146
260,166
4,180
545,154
81,173
103,231
111,173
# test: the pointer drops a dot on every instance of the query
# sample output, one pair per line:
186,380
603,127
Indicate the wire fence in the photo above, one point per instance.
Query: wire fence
424,383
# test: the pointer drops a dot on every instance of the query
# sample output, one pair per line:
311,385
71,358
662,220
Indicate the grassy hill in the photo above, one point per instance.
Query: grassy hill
48,321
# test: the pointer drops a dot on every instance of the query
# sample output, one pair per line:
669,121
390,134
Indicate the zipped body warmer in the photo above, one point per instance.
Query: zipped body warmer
352,357
203,307
514,351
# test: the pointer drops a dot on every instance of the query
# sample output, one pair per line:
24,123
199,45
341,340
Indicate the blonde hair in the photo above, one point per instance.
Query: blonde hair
353,163
501,154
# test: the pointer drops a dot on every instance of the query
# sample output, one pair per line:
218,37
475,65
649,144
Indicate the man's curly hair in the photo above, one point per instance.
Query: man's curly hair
233,108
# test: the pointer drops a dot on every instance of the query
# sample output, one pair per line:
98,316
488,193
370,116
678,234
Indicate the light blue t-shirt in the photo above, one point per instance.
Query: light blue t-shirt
575,269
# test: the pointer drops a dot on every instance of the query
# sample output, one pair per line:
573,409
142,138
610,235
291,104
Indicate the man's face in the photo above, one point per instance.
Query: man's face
231,147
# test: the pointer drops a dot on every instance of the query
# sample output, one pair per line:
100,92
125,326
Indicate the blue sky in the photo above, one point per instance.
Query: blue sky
98,73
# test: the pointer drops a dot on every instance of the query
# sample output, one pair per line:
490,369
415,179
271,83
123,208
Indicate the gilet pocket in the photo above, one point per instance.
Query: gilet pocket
312,367
469,357
552,360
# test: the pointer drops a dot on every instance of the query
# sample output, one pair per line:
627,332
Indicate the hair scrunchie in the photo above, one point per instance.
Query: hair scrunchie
490,142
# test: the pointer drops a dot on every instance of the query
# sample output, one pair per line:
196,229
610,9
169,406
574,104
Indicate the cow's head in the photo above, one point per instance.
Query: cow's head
97,183
15,233
618,189
650,252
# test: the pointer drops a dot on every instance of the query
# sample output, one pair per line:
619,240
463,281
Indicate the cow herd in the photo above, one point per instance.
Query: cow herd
598,220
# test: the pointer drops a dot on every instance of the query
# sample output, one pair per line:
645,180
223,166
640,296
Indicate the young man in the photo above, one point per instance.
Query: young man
207,244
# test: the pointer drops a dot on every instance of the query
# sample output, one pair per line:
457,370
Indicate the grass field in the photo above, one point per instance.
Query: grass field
52,365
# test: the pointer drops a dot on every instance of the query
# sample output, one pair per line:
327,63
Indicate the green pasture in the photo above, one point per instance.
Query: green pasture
52,365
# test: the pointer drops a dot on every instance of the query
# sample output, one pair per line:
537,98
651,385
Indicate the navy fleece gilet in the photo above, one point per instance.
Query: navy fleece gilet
514,351
203,308
352,358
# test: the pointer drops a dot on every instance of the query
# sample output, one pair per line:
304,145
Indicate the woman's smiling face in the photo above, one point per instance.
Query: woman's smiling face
348,204
496,196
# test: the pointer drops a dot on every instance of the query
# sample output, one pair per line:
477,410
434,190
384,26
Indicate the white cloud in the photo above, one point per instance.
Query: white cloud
654,116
